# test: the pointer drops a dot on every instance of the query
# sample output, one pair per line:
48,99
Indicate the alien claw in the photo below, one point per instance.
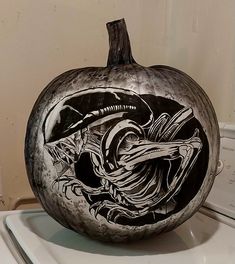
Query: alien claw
96,207
113,215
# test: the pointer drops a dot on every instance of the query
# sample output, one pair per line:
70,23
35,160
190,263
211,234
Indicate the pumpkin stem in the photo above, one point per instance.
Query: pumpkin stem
119,44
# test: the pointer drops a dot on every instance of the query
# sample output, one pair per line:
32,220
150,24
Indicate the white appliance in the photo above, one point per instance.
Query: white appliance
208,237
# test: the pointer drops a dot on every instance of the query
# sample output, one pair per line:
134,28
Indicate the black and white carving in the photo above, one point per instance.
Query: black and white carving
125,156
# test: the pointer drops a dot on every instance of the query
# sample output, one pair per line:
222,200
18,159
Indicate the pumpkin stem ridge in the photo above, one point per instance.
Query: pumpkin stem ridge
119,44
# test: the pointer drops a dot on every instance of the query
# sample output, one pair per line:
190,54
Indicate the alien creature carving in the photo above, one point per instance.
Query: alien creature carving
134,155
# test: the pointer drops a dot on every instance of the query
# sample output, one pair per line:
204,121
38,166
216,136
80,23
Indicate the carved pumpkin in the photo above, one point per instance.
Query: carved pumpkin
123,151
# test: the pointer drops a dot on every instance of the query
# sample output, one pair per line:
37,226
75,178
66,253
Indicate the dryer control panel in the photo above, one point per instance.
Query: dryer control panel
222,195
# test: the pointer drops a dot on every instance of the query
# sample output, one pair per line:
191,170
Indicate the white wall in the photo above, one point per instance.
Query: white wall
41,39
202,42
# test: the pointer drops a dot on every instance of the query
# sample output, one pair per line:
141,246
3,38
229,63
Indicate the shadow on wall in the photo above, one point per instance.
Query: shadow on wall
24,202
